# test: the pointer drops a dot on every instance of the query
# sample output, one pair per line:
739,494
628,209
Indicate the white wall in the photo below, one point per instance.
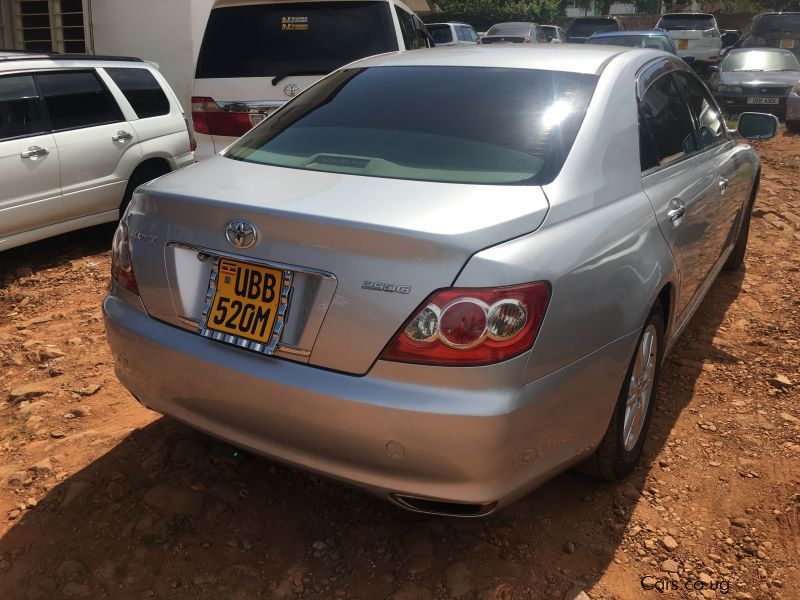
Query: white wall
168,32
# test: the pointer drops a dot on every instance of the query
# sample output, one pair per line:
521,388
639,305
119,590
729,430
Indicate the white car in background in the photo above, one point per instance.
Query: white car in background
694,34
453,34
256,56
78,134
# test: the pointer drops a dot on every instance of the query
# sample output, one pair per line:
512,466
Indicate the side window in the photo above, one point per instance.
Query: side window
422,38
541,36
21,111
474,37
664,115
142,90
463,36
77,99
711,127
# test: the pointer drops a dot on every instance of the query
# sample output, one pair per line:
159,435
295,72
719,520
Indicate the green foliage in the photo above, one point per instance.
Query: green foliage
484,13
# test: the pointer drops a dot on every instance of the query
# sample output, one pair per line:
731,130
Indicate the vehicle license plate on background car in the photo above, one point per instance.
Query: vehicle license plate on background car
246,301
763,100
683,44
787,44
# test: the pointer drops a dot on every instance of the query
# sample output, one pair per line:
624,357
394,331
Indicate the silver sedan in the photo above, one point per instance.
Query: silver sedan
443,276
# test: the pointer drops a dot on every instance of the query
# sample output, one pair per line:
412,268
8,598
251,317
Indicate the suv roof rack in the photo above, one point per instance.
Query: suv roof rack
29,55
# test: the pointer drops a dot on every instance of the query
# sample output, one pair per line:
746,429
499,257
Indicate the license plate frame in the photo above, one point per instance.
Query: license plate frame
787,44
279,304
765,101
683,44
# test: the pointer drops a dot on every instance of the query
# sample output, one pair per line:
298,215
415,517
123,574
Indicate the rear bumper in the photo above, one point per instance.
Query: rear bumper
394,430
703,55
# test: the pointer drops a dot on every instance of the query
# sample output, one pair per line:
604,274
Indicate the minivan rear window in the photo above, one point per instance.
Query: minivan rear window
293,38
442,34
371,122
778,24
687,22
584,27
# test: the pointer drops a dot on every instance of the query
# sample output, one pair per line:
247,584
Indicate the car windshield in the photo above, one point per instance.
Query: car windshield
371,122
442,34
586,27
656,42
275,40
686,22
510,29
778,24
759,60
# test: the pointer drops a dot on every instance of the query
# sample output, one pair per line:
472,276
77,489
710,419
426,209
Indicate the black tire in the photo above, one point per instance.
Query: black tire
793,126
736,257
142,174
611,461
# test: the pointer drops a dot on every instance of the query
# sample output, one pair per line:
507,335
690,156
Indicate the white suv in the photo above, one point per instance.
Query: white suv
257,55
77,135
694,34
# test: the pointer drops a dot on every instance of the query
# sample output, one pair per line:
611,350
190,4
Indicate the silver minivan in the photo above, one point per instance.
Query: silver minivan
257,56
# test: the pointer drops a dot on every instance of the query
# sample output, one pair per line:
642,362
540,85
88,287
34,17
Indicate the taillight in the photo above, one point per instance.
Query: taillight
210,118
471,326
121,265
528,40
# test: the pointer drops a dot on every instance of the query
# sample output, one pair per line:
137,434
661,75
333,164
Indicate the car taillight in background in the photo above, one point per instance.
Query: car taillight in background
210,118
471,326
121,265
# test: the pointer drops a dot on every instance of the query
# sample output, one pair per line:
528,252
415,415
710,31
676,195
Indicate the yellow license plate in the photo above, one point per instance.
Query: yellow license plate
787,44
246,301
683,44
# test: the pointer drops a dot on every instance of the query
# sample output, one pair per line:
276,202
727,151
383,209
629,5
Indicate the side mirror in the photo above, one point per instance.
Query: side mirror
757,126
689,60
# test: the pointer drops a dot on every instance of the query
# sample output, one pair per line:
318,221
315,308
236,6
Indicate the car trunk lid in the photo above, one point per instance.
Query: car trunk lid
364,251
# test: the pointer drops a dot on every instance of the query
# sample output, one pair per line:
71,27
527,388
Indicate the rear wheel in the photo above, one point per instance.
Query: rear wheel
621,447
142,174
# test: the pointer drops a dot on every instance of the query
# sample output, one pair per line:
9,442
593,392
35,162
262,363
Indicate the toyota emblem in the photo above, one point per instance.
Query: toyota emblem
291,90
241,234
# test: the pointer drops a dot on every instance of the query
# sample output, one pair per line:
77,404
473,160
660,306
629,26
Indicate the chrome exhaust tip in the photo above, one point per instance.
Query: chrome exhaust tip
443,508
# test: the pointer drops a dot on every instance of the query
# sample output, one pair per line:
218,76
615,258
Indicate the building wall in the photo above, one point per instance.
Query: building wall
167,32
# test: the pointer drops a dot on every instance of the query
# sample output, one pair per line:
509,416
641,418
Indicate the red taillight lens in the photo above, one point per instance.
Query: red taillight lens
471,326
210,118
121,265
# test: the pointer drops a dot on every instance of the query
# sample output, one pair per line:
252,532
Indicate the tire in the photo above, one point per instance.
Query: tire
142,174
736,257
793,126
620,450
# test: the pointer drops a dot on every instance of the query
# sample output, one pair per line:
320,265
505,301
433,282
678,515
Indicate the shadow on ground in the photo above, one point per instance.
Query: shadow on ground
171,513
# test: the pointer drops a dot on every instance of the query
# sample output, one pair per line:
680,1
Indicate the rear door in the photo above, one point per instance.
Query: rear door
30,193
98,148
675,181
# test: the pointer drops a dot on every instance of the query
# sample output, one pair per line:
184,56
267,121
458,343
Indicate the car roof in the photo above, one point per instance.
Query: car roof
687,14
577,58
597,18
513,23
449,23
221,3
642,32
758,49
24,55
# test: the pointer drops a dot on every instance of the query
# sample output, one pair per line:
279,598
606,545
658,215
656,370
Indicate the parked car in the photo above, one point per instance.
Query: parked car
77,135
445,310
453,34
773,30
255,56
582,28
651,38
555,34
728,39
756,77
793,109
515,33
695,34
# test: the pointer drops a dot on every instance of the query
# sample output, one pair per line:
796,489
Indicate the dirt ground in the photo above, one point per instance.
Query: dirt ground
101,498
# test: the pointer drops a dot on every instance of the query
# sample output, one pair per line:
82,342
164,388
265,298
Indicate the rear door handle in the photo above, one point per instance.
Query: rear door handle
677,209
122,136
34,151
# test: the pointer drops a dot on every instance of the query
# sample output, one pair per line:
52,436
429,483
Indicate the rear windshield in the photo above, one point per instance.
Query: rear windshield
442,34
586,27
273,40
778,24
756,60
371,122
550,31
510,29
687,22
656,42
